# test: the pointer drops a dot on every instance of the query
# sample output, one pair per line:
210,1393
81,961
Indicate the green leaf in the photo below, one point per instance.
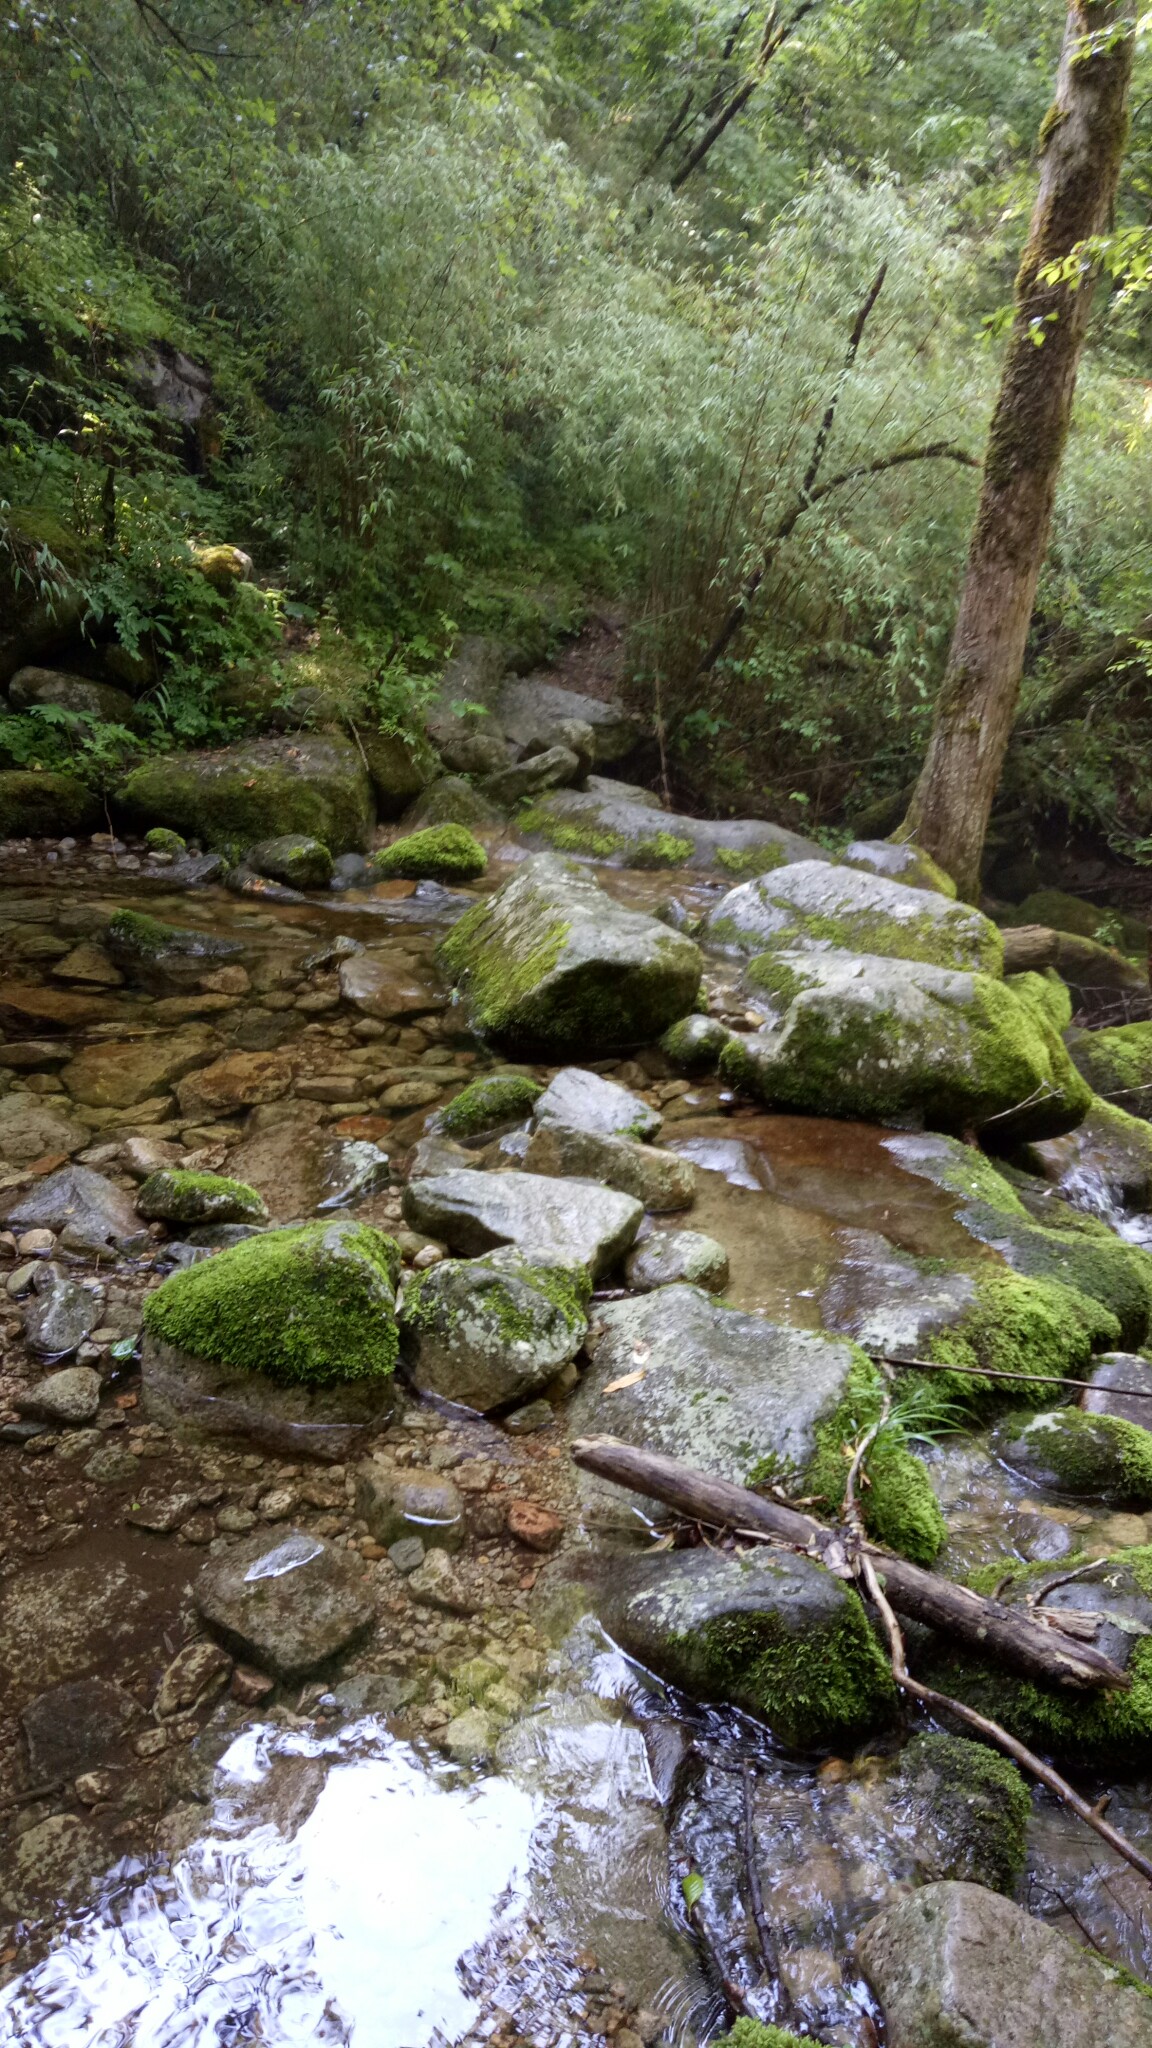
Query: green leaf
692,1887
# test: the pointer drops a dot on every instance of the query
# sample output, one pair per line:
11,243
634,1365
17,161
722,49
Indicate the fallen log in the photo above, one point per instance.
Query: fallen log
1031,1643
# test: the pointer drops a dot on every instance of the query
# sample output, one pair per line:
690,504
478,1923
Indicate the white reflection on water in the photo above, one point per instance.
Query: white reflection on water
347,1932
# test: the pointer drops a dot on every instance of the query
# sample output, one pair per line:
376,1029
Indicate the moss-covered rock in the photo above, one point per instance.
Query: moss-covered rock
1064,913
750,2033
1107,1158
400,766
175,1195
161,956
811,906
450,800
293,858
313,783
314,1305
776,1635
1094,1457
43,806
897,1500
551,965
695,1044
486,1104
616,830
489,1331
974,1803
898,861
76,694
160,840
1047,993
443,853
883,1038
223,566
1117,1064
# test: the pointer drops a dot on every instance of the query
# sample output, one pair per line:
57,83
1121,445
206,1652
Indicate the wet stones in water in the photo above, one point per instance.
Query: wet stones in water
890,1301
377,988
695,1044
555,1222
491,1331
661,1180
1105,1162
435,1583
40,1008
550,965
296,860
288,1602
589,1102
86,1211
351,1169
955,1962
1121,1385
775,1635
71,1728
669,1257
59,1315
71,1397
1091,1457
400,1504
1117,1063
812,906
35,1127
177,1196
237,1081
160,956
62,1621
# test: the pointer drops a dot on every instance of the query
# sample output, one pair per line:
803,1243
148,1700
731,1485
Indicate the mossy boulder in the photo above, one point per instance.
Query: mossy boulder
450,800
312,1305
400,767
750,2033
550,965
1117,1064
812,906
293,858
974,1805
175,1195
314,783
490,1331
1108,1157
160,840
45,806
882,1039
443,853
773,1634
1093,1457
223,566
486,1104
1064,913
694,1045
160,956
898,861
622,833
76,694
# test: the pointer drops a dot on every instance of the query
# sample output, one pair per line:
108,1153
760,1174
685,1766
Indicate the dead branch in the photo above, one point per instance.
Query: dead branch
776,34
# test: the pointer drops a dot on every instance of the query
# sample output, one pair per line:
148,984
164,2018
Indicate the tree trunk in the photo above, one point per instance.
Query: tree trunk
1083,144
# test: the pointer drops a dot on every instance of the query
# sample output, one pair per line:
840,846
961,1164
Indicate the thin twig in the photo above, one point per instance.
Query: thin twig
991,1372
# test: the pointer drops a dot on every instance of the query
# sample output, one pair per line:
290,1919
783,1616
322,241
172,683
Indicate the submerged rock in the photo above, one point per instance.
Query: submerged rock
590,1102
883,1039
776,1635
559,1222
238,1080
163,956
71,1728
551,965
116,1074
313,783
1106,1161
955,1963
815,907
661,1180
290,1602
493,1330
669,1257
399,1504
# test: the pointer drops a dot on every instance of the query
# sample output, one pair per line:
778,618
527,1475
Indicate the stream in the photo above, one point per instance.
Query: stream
321,1864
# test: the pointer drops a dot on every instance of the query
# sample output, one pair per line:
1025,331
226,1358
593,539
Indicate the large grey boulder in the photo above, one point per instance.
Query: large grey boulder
955,1966
881,1039
774,1634
555,1222
289,1601
527,709
812,906
623,833
899,861
82,1207
1121,1385
550,965
712,1386
32,686
493,1330
590,1102
311,782
661,1180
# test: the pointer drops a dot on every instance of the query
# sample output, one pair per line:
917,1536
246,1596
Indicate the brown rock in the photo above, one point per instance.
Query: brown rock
538,1527
227,981
375,987
235,1082
250,1687
49,1009
192,1679
90,964
120,1074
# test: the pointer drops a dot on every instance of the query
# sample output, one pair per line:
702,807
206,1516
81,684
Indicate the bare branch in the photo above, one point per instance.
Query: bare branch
776,34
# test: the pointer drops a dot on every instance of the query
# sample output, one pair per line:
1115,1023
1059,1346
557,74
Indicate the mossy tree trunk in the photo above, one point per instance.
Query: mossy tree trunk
1083,143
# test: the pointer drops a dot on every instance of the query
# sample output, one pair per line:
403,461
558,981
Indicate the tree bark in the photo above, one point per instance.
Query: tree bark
1015,1636
1083,144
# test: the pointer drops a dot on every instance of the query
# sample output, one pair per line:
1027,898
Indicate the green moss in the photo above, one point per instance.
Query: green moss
567,1289
749,2033
497,1099
750,860
1046,992
312,1305
497,986
1100,1457
1118,1064
899,1505
980,1804
441,853
661,850
1019,1325
694,1044
814,1689
256,791
595,841
781,979
174,1195
924,937
44,806
160,840
145,938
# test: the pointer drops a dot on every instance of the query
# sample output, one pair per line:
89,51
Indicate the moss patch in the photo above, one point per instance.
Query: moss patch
498,1099
1101,1457
899,1505
594,841
1118,1064
814,1688
749,2033
662,850
1019,1325
442,853
744,862
978,1801
35,806
160,840
498,986
176,1196
314,1305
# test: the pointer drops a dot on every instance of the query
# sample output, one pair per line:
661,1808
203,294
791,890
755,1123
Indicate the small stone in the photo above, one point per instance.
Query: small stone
60,1315
96,1788
277,1505
198,1529
192,1679
153,1742
112,1465
534,1526
435,1584
232,1521
526,1421
470,1736
35,1244
671,1256
428,1255
70,1397
21,1280
408,1554
249,1686
397,1504
411,1094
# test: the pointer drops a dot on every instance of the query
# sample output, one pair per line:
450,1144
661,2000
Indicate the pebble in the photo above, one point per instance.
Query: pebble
233,1521
21,1280
153,1742
407,1554
428,1255
71,1396
436,1584
536,1527
36,1244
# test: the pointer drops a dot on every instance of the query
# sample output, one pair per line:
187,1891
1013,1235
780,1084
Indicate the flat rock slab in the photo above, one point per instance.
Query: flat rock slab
31,1008
37,1127
71,1728
589,1102
719,1389
287,1600
624,834
551,966
115,1075
83,1613
374,986
660,1179
80,1205
955,1966
560,1222
815,907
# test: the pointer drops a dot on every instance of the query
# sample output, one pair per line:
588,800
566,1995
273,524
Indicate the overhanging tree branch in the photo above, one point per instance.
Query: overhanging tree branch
776,34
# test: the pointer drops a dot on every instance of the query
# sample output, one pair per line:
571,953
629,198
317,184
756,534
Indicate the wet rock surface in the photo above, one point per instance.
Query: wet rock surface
289,1602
